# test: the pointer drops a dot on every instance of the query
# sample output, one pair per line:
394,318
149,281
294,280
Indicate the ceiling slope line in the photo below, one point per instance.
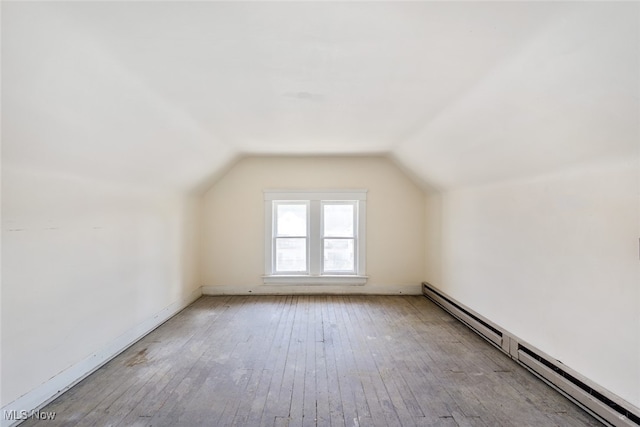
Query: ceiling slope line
441,146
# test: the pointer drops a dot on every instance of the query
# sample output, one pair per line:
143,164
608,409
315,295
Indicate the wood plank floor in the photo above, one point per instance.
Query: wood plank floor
313,361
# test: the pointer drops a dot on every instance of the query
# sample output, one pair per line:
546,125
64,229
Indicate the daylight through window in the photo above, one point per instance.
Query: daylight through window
315,237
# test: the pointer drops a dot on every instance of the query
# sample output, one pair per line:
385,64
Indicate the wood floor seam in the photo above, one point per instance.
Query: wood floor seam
322,360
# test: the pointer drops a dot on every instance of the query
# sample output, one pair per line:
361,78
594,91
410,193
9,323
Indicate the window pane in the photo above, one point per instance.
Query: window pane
338,220
338,255
291,255
291,220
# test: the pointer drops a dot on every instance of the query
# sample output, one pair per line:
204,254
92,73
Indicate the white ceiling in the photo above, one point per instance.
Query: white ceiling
169,93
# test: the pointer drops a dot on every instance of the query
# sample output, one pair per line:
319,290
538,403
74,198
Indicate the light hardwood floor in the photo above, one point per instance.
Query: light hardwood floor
313,360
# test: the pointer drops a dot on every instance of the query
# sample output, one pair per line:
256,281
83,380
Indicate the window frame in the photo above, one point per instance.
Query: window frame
274,238
315,249
323,237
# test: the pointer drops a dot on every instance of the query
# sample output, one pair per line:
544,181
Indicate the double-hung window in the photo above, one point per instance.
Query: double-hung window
291,237
339,238
315,237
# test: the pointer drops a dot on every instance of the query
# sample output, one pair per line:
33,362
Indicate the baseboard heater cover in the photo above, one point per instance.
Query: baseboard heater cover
482,326
604,405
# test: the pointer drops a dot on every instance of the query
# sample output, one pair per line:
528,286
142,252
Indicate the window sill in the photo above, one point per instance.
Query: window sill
315,280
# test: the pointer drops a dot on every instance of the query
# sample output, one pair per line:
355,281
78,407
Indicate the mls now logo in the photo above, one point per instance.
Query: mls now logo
22,415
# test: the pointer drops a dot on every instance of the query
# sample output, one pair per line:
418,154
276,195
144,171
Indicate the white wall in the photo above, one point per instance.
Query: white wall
233,249
85,266
553,260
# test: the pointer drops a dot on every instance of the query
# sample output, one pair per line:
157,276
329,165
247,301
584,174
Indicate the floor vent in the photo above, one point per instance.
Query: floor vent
607,407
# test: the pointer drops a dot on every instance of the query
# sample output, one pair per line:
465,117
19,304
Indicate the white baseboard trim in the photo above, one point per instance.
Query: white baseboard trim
313,290
45,393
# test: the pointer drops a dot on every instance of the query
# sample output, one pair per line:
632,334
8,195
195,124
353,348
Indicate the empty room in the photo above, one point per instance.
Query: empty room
320,213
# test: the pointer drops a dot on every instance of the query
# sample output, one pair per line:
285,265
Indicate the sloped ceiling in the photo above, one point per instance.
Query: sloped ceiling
168,94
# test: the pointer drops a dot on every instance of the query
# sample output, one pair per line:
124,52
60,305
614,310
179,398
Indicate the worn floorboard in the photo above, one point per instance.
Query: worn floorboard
313,361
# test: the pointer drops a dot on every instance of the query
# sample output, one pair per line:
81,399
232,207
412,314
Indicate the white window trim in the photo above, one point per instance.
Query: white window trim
315,276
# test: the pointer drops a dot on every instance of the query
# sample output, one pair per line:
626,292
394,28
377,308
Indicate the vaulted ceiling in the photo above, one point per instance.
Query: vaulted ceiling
168,94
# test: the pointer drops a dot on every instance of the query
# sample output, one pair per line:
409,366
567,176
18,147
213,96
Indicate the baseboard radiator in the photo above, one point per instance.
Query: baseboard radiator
602,404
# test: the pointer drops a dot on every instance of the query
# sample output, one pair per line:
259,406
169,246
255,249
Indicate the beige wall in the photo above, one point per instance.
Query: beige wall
86,268
233,217
554,260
